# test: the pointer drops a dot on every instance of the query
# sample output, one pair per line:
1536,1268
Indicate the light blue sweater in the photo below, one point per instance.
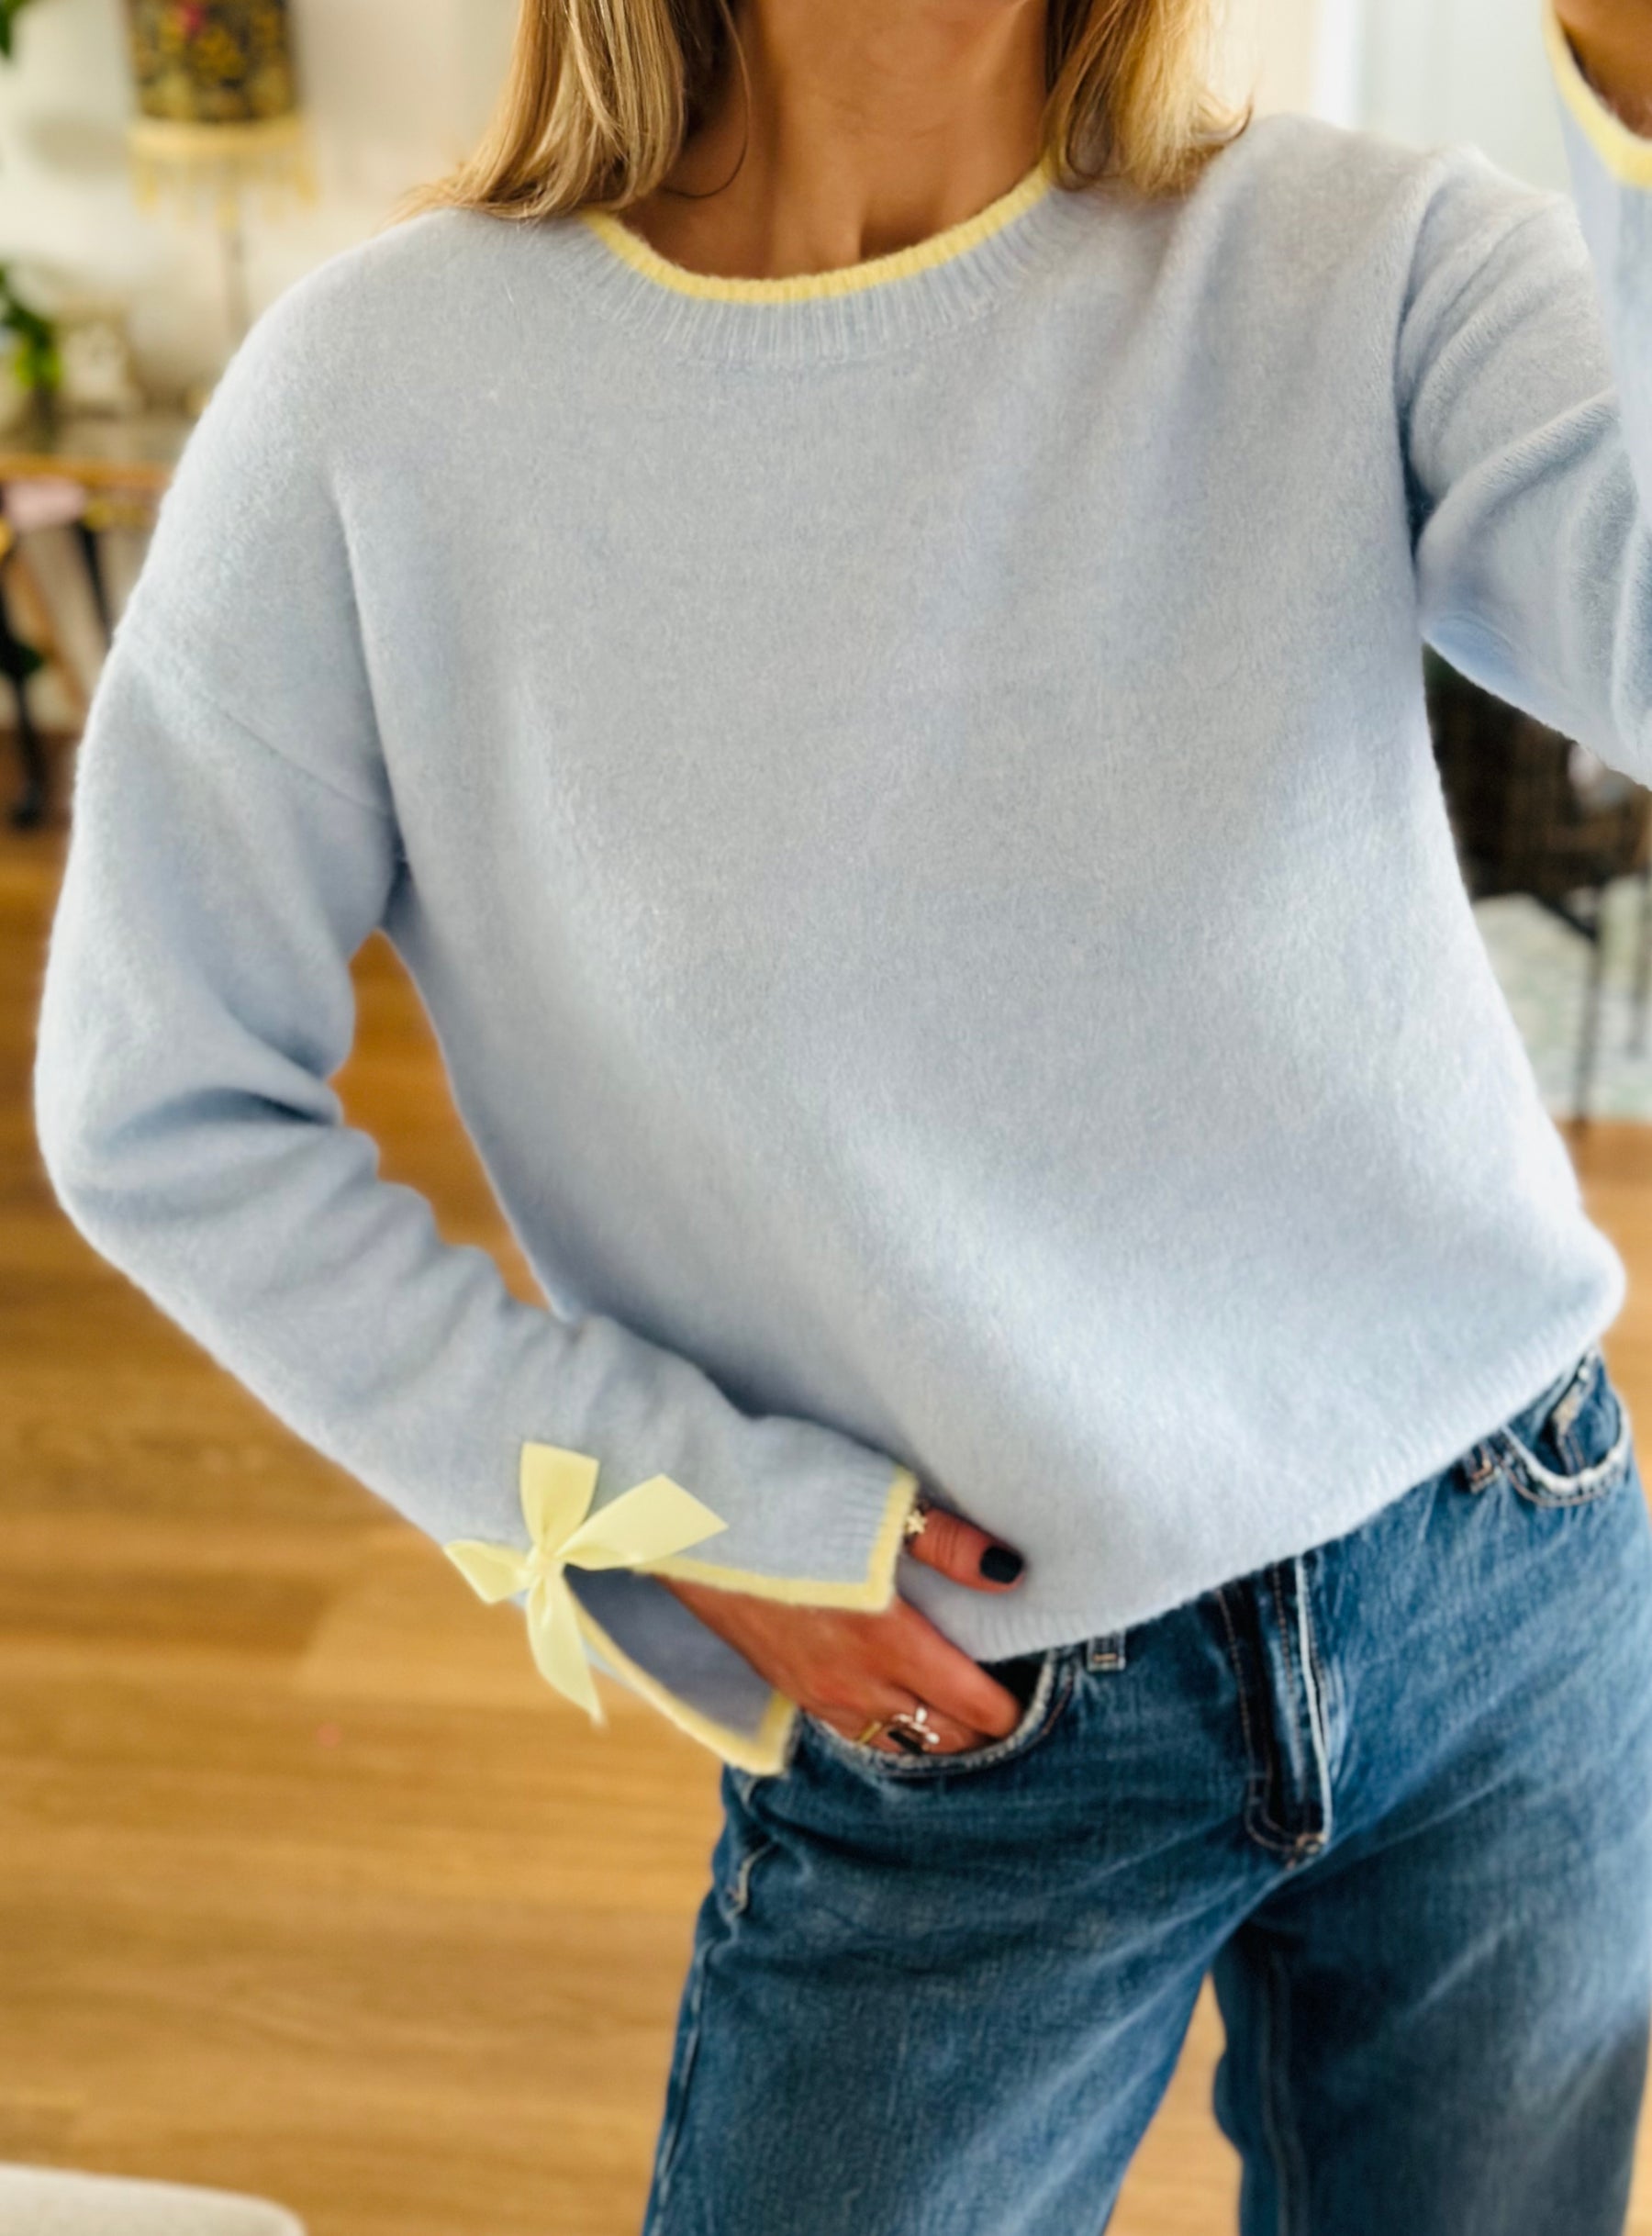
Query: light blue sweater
908,798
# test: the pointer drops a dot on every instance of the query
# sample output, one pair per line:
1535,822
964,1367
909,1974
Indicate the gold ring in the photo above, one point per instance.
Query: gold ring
863,1737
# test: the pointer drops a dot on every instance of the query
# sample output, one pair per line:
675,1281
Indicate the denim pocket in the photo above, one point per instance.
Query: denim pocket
1046,1695
1574,1444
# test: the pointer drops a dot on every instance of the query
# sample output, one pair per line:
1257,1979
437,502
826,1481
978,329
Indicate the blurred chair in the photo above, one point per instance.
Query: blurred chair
38,2201
42,502
86,473
1536,814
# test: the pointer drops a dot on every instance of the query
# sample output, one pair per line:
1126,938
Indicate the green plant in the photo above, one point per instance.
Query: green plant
9,12
39,367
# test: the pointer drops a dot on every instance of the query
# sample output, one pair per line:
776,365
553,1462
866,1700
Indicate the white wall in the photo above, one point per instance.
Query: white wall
1438,70
1273,50
1422,70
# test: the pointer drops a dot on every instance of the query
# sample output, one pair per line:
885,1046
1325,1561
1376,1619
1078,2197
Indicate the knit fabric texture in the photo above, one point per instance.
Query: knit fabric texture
908,800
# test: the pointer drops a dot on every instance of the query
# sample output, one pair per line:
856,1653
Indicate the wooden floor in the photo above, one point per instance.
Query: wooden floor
307,1884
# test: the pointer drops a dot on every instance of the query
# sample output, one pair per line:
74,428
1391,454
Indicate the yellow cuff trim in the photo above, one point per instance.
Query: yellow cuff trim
869,1593
1626,154
847,279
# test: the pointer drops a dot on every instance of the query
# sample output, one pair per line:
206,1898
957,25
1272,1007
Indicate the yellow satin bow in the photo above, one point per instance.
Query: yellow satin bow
649,1522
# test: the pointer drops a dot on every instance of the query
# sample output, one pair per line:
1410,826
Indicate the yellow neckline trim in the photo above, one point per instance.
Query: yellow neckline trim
1627,155
847,279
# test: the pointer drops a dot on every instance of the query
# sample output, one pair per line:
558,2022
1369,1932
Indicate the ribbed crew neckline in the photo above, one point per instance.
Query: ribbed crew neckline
881,302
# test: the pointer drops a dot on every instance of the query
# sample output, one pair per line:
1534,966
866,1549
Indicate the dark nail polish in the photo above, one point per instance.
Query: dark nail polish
907,1743
1000,1565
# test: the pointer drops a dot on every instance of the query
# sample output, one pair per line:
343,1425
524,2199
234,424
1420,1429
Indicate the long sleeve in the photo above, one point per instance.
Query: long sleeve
1524,380
234,841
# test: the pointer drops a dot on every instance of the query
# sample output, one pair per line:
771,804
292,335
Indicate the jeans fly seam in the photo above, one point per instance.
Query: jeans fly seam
1276,1579
1322,1680
1316,1730
1258,1823
1274,1585
1244,1723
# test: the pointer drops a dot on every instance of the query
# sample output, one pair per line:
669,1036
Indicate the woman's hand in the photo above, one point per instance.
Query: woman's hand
847,1668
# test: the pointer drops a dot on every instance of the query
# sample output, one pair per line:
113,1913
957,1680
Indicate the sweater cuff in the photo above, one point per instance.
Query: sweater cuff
646,1638
1627,155
880,1519
590,1580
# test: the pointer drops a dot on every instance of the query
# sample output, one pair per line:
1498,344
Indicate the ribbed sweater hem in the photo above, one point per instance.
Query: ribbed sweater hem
1001,1628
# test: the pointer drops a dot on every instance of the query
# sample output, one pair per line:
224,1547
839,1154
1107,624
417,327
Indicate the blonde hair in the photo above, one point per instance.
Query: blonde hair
602,95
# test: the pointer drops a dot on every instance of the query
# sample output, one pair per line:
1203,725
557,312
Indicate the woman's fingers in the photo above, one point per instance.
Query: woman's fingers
847,1668
952,1738
943,1676
959,1549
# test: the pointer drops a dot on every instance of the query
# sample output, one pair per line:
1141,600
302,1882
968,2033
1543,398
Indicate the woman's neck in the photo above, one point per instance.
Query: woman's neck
870,127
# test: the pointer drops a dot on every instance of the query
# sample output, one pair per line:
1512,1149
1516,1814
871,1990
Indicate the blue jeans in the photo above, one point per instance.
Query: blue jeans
1395,1794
